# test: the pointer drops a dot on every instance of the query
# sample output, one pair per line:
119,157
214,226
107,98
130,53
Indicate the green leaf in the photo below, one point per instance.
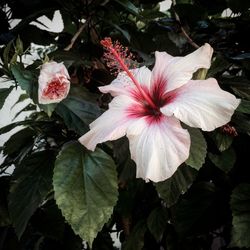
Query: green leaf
240,205
224,161
26,79
135,240
198,149
157,222
244,107
85,185
128,5
4,93
171,189
32,180
78,110
222,141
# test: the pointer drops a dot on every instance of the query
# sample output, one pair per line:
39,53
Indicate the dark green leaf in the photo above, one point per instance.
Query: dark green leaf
242,122
171,189
198,149
150,14
4,93
225,161
49,220
126,166
36,35
31,183
244,107
78,110
135,240
124,32
220,64
223,141
194,212
239,5
85,185
21,98
28,107
243,91
184,10
240,205
17,141
157,222
128,5
103,241
6,54
4,214
13,125
27,122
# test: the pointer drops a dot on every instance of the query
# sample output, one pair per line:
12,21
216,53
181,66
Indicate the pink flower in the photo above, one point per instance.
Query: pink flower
53,83
148,106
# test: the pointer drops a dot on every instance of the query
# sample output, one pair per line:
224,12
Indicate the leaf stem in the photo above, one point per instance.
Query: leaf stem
74,38
184,33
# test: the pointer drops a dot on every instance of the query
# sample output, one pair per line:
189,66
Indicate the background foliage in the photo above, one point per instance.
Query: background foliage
60,194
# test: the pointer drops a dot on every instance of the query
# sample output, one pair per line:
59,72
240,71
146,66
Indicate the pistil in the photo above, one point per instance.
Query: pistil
116,53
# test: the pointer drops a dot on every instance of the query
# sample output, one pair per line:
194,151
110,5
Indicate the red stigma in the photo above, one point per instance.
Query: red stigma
106,42
117,57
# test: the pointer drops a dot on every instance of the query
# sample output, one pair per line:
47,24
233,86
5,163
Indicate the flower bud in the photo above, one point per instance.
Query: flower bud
53,83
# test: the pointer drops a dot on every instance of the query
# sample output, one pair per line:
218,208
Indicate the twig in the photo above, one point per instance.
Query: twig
77,34
126,223
184,33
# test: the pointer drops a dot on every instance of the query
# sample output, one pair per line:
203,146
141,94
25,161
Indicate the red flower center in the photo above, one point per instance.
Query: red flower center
159,98
55,89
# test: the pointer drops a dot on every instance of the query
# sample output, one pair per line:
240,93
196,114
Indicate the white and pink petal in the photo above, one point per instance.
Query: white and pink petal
177,71
111,125
123,84
202,104
158,148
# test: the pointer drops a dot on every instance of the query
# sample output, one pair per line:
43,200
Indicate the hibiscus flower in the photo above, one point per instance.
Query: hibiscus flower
148,106
53,83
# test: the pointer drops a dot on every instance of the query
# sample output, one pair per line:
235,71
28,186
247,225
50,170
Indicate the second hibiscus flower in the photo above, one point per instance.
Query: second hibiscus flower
149,105
53,83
